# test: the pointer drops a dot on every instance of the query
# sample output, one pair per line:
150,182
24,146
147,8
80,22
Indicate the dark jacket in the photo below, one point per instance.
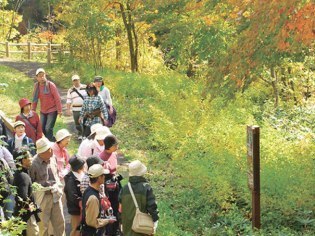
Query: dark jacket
73,193
145,199
23,197
25,142
3,131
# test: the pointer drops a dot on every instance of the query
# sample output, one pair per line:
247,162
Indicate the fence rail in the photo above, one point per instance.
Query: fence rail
33,48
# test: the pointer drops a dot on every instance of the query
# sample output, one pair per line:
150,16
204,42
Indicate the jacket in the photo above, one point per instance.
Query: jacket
25,142
73,193
33,127
145,199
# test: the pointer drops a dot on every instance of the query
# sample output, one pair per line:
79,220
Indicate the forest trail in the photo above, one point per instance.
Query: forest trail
29,69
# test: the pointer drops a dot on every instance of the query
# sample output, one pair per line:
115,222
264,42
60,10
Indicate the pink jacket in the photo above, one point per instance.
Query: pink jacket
111,159
62,159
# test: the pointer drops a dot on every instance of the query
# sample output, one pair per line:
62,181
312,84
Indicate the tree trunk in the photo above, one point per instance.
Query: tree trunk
132,45
274,84
118,47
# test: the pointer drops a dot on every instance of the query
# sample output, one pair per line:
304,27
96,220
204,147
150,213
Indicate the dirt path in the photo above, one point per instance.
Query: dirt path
29,69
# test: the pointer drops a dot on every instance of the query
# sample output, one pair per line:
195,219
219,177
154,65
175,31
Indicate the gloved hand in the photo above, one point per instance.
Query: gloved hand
155,225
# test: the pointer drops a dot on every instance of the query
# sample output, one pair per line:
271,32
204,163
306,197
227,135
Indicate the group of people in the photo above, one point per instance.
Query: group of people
46,178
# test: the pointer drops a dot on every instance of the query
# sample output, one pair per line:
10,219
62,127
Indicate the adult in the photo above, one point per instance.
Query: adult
33,127
112,185
75,97
61,153
73,194
6,179
6,155
3,131
93,110
20,138
87,142
25,205
144,197
44,171
105,94
91,203
96,146
50,104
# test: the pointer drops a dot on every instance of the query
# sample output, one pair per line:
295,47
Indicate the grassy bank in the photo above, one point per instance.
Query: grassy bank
196,153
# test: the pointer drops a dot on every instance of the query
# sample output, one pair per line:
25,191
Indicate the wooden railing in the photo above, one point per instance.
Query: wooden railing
33,48
8,124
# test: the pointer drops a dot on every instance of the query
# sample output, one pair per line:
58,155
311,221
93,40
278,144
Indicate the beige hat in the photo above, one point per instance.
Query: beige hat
95,127
62,134
136,168
97,170
18,123
75,77
102,133
39,70
42,145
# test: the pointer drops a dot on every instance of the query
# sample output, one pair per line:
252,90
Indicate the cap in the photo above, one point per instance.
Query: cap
97,170
94,160
136,168
62,134
39,70
18,123
76,162
42,145
23,102
98,78
95,127
75,77
102,133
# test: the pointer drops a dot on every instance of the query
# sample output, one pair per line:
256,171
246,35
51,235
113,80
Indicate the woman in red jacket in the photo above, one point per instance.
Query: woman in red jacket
33,128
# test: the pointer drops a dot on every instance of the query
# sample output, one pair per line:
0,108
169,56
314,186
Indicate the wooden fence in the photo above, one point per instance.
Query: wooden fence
33,48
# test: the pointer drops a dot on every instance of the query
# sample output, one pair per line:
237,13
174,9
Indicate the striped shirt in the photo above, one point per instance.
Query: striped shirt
74,98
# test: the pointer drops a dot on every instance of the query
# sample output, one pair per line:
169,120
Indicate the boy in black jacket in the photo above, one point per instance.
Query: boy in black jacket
73,193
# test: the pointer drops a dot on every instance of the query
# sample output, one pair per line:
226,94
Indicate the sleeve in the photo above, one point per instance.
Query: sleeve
39,131
69,98
71,189
108,97
83,110
22,187
92,212
56,96
8,157
113,162
103,107
32,147
34,104
151,205
32,172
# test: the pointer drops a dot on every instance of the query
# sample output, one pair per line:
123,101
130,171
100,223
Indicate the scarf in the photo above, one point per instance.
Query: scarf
36,92
19,140
79,176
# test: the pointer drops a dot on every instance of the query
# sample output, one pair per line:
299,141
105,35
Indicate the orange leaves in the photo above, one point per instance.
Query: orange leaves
299,28
47,35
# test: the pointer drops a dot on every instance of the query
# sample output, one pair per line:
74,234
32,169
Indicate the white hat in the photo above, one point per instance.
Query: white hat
39,70
136,168
97,170
42,145
18,123
102,133
95,127
75,77
62,134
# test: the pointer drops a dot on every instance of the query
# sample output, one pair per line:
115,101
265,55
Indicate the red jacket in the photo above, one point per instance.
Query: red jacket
34,132
49,102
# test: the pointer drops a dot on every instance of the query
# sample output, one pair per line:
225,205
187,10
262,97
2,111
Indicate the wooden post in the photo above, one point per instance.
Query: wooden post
49,53
253,158
7,50
29,50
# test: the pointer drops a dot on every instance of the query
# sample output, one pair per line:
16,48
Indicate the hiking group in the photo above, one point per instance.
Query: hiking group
46,178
